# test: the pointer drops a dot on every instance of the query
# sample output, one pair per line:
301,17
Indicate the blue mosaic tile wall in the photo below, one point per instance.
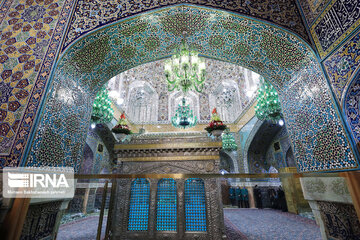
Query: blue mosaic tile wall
312,9
195,206
342,64
312,121
334,24
92,14
280,57
352,107
60,137
166,205
139,205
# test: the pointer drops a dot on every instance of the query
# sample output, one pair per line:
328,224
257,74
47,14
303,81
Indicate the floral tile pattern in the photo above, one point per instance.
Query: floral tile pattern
26,30
312,9
92,14
342,64
319,133
29,30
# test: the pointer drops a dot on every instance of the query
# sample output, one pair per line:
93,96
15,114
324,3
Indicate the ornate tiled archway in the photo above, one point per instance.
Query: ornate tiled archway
316,130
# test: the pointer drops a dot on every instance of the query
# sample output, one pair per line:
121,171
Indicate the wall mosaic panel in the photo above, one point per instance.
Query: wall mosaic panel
336,22
26,30
40,221
352,108
61,138
92,14
341,221
312,9
312,122
281,58
29,29
342,64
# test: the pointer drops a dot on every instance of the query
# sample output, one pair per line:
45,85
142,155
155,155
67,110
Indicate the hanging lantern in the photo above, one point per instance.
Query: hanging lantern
185,70
268,105
228,141
184,117
102,111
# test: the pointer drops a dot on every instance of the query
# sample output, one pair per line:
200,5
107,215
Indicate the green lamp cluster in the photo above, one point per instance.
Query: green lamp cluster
102,110
268,105
228,141
185,70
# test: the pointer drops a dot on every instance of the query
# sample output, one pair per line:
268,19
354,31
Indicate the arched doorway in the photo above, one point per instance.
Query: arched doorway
313,121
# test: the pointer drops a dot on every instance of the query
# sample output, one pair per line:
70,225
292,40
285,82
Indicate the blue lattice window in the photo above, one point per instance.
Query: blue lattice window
166,205
139,205
195,210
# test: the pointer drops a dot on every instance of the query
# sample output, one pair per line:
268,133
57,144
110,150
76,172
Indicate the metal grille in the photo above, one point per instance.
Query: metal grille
195,210
139,205
166,205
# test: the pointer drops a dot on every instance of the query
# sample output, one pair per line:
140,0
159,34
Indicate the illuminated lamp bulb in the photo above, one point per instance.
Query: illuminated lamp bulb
281,122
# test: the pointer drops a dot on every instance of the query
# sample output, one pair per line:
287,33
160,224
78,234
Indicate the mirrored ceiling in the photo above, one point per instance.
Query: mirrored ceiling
142,93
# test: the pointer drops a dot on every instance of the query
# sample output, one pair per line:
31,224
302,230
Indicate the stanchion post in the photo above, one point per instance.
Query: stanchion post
98,235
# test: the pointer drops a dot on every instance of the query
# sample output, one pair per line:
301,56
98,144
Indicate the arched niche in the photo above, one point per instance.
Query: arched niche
226,99
142,102
191,98
259,144
317,133
227,162
289,158
87,161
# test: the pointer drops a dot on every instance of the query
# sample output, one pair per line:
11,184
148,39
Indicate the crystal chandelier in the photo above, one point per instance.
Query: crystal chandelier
185,70
268,105
102,111
184,117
